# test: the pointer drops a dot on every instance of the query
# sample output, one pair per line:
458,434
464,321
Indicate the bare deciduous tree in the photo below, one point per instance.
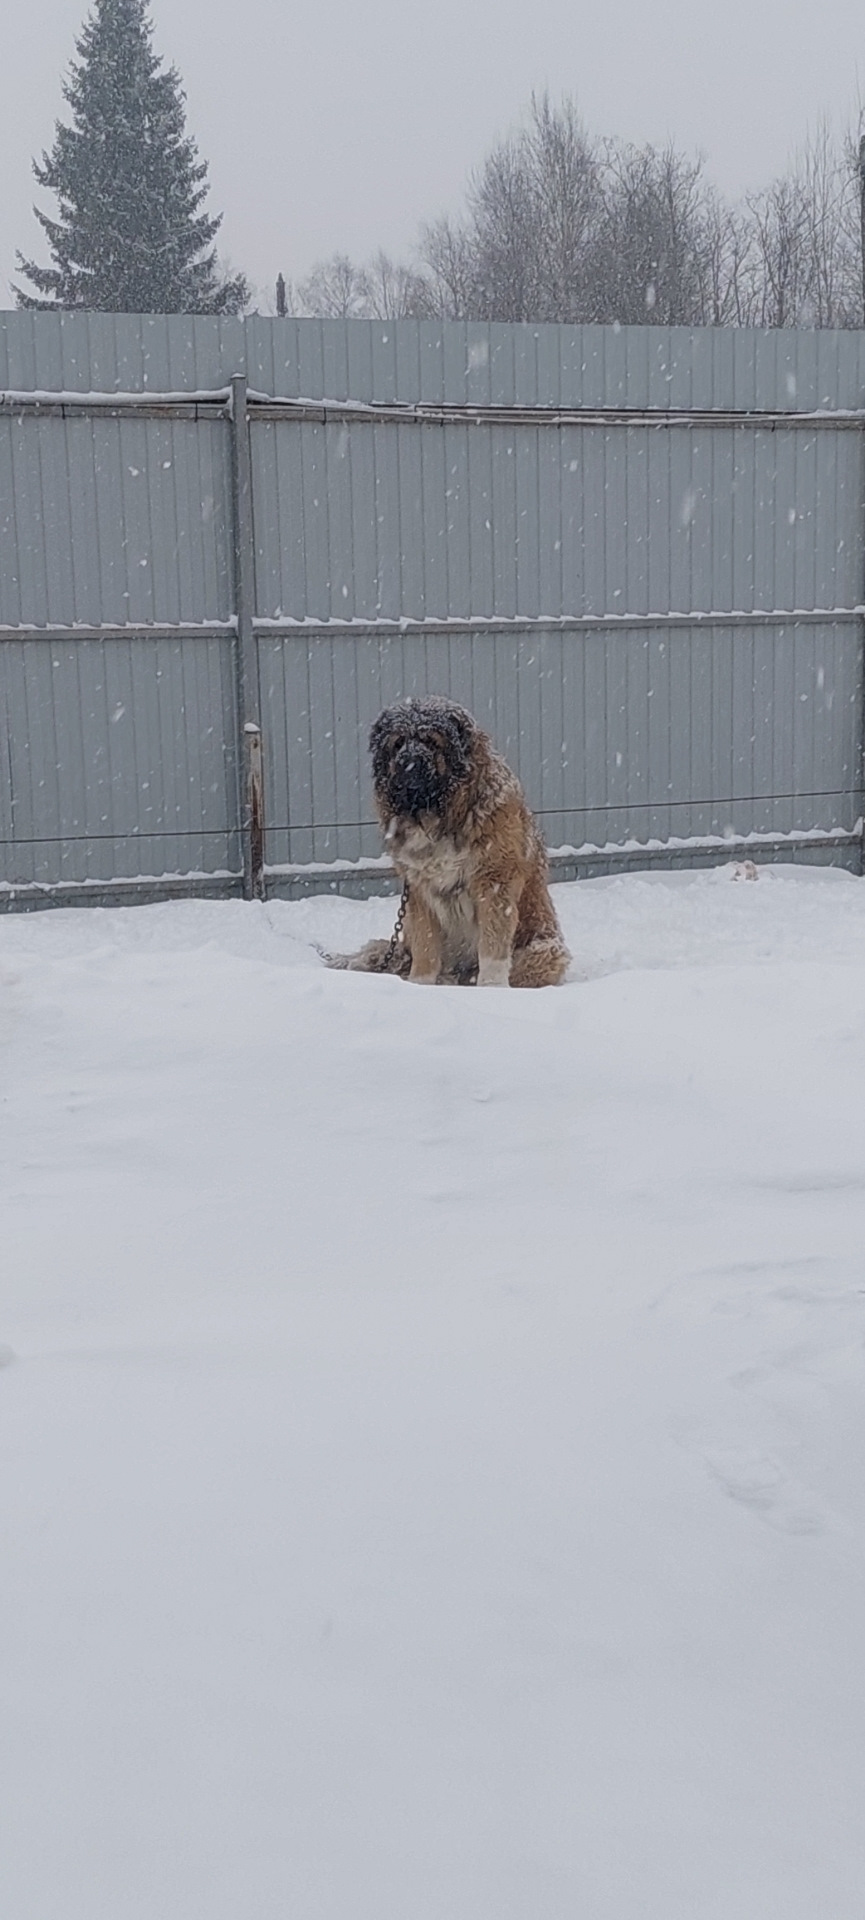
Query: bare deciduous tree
392,291
335,290
450,269
651,256
338,289
779,237
503,236
534,213
725,245
804,266
561,227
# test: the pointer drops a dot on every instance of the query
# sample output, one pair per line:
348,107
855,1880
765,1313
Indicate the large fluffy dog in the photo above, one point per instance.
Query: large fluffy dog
462,839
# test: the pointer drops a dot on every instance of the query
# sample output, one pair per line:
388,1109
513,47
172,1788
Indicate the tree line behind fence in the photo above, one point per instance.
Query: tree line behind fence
560,225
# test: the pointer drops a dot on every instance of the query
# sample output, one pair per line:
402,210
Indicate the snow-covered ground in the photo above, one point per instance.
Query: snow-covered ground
434,1421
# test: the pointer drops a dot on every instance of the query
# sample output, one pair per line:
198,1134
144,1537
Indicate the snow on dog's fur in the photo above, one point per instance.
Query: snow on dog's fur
460,834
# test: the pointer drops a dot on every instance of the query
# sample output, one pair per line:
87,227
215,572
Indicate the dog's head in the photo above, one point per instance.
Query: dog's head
421,752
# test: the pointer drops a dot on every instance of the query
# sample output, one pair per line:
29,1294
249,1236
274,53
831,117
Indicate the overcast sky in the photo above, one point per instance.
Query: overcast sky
342,124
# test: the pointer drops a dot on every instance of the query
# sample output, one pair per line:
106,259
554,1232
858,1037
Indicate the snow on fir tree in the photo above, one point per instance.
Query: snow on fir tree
131,236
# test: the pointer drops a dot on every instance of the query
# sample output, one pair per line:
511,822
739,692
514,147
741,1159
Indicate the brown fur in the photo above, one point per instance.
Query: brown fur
479,908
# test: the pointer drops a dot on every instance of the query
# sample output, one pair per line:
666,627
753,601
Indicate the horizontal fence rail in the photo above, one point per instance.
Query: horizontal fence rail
635,554
267,407
475,623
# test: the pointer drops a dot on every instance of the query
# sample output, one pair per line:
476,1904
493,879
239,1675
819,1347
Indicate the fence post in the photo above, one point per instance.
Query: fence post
249,750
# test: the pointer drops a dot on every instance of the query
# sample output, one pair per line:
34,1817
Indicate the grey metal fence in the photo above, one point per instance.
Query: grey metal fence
637,555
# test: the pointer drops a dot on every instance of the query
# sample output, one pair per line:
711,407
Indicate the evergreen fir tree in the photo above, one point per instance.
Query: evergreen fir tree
131,236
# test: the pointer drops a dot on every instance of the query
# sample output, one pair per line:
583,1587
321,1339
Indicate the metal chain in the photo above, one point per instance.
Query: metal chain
397,937
390,960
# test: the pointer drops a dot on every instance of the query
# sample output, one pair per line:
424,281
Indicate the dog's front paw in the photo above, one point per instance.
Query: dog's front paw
494,973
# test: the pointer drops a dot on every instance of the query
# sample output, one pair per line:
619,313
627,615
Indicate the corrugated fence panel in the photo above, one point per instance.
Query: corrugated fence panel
113,520
119,353
456,362
120,756
638,734
355,521
598,726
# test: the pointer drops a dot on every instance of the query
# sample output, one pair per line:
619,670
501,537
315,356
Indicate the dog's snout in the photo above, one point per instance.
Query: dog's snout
413,779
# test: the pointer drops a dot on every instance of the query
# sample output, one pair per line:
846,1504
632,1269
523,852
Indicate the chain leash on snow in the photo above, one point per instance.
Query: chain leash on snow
389,961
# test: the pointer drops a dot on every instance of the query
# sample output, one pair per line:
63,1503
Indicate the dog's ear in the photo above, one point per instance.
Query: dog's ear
461,731
380,742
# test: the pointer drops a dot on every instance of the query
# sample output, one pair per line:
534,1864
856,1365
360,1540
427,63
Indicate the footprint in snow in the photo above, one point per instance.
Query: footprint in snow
757,1481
